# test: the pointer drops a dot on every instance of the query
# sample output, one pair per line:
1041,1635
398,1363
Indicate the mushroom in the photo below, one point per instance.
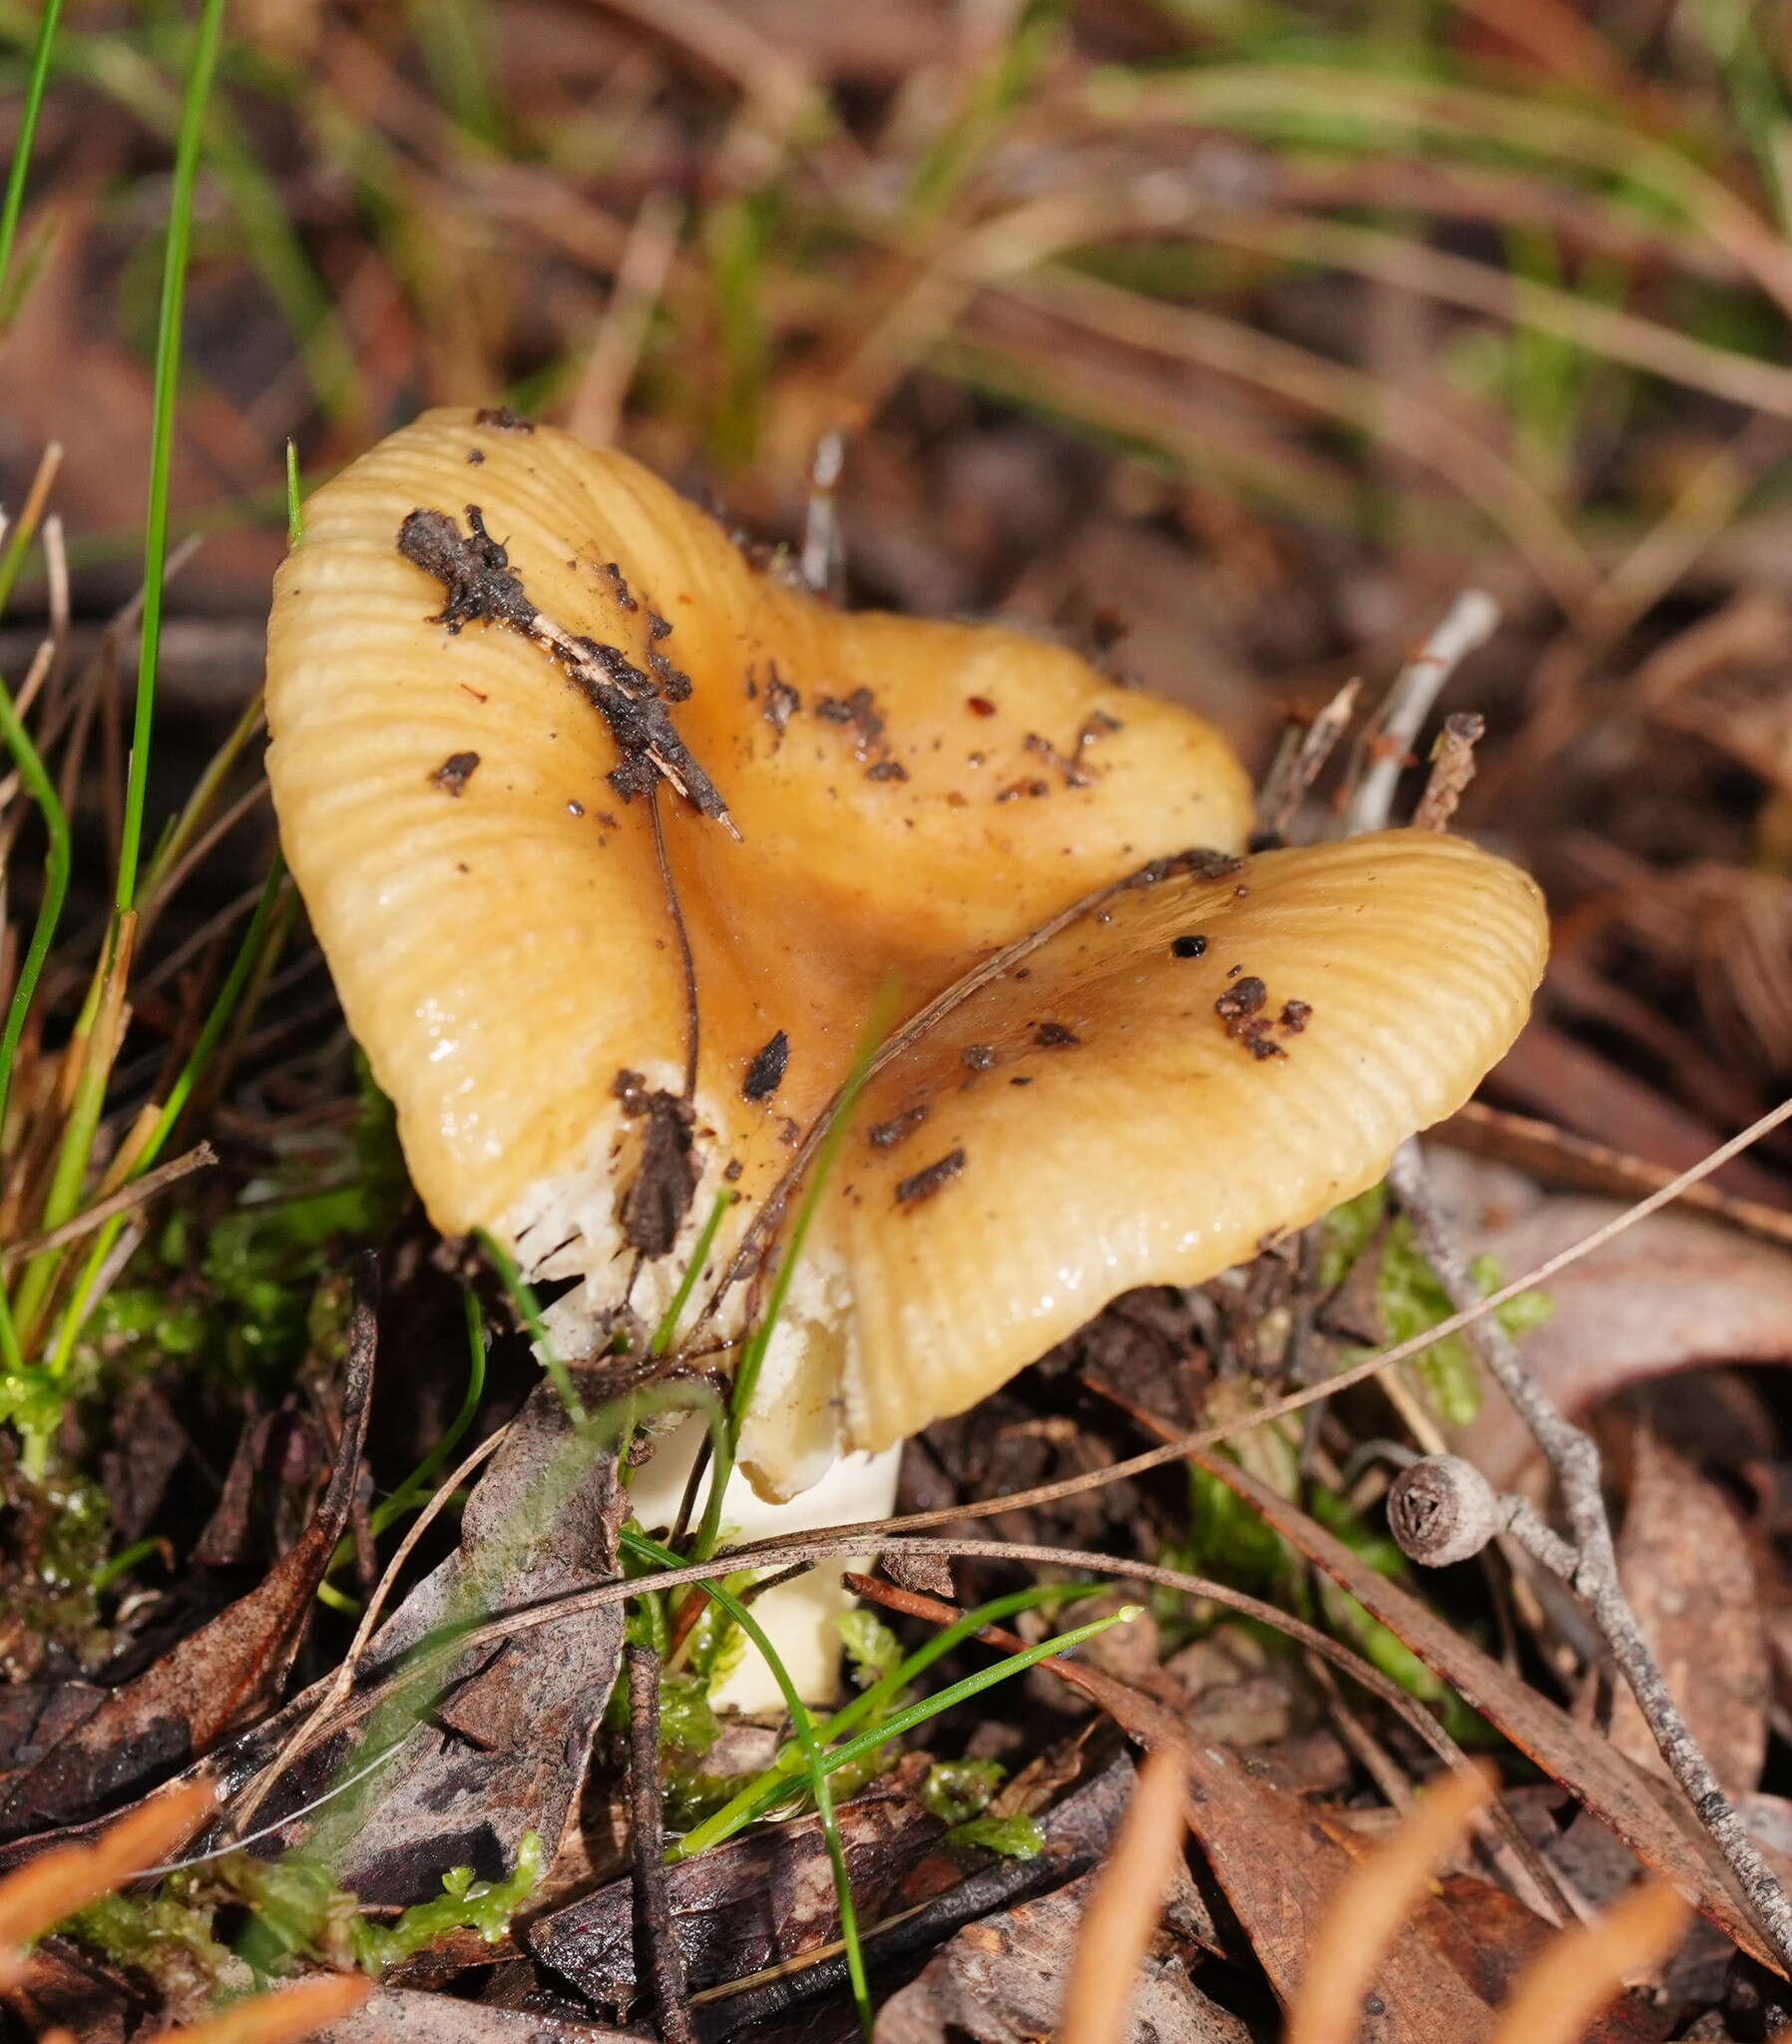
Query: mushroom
611,839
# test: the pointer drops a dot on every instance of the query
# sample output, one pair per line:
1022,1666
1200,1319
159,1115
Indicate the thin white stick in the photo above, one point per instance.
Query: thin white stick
1381,751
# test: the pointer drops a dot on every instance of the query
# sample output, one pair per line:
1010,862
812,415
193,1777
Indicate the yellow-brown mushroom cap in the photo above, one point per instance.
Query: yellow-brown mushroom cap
909,795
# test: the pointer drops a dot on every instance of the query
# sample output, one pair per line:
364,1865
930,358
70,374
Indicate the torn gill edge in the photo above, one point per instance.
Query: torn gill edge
475,572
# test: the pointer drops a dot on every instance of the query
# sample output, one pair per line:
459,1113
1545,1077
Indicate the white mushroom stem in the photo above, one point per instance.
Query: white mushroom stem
800,1617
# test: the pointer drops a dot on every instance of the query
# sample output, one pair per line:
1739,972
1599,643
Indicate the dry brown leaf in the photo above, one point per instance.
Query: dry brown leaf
1585,1967
1281,1867
216,1678
1673,1292
1687,1570
1614,1788
999,1981
1369,1910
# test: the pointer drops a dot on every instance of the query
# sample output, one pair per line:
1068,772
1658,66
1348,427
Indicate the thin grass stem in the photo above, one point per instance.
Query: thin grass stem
200,71
14,201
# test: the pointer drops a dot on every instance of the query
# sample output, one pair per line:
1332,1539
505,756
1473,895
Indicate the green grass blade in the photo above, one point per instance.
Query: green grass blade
36,779
199,75
296,509
803,1723
224,1009
699,1256
774,1784
530,1312
13,202
752,1357
416,1485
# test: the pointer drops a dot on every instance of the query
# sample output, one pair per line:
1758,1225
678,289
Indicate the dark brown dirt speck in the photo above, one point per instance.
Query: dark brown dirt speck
977,1057
898,1129
1055,1036
452,775
782,701
502,419
1244,998
923,1185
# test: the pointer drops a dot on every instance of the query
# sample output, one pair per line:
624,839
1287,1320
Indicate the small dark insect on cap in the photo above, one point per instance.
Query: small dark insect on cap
766,1072
1188,947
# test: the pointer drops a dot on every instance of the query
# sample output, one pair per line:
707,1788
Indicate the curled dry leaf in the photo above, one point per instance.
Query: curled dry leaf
752,1903
910,797
504,1751
219,1676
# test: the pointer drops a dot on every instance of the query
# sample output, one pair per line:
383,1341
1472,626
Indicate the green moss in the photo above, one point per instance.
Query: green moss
1410,1298
295,1912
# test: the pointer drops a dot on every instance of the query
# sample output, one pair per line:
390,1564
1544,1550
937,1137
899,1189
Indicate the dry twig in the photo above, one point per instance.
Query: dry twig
658,1958
1588,1560
1381,750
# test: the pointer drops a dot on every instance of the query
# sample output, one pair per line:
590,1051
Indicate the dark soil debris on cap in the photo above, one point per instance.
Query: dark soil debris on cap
675,682
618,582
475,457
657,627
502,419
1244,998
1255,1037
732,1171
782,701
1198,862
1188,947
452,775
654,1206
980,705
765,1074
977,1057
474,569
859,711
1034,788
1055,1036
887,770
924,1184
898,1129
1294,1016
1096,724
